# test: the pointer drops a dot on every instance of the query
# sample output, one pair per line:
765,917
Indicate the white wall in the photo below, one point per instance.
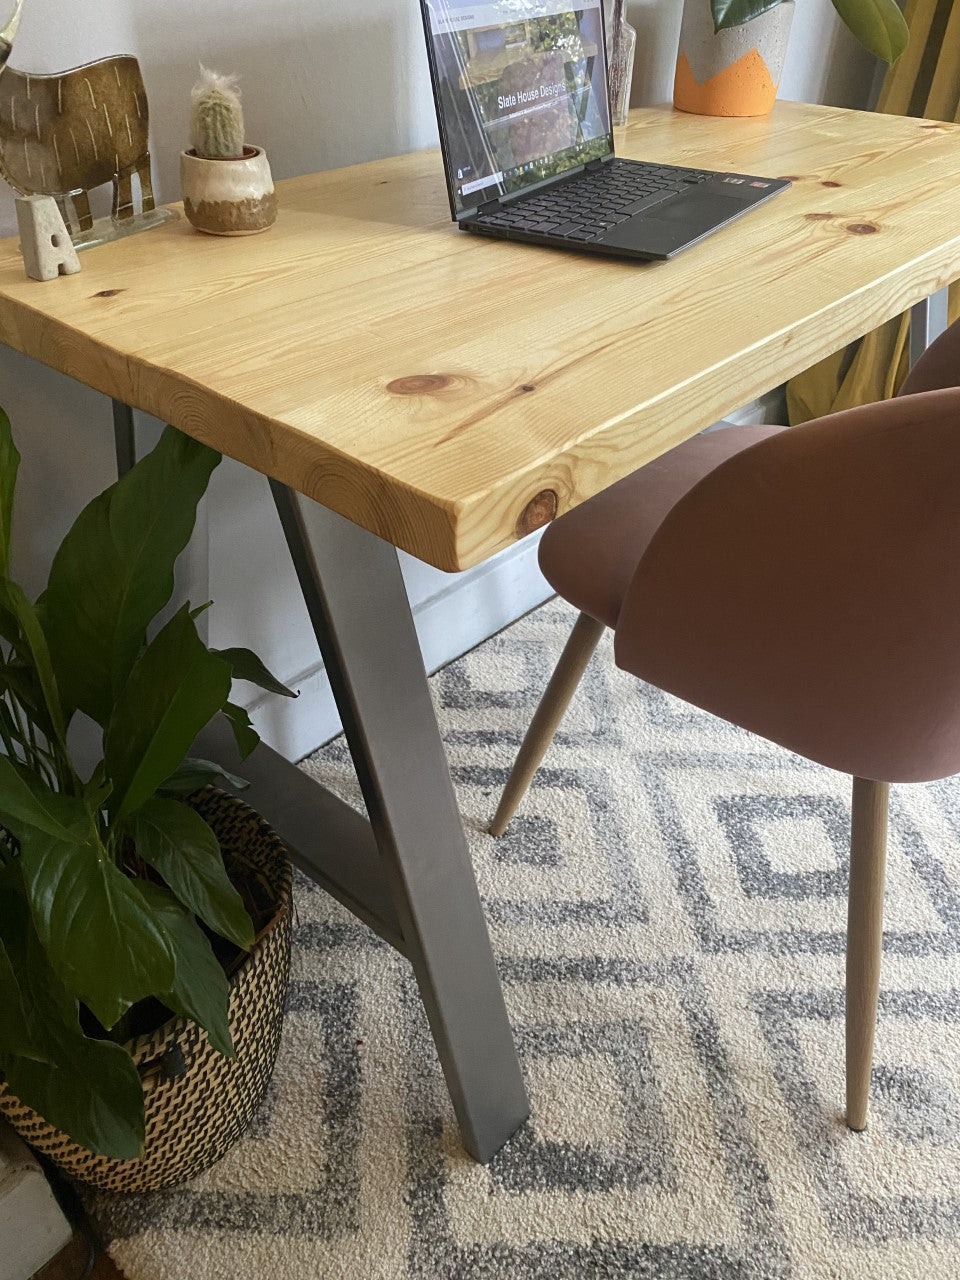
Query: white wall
325,83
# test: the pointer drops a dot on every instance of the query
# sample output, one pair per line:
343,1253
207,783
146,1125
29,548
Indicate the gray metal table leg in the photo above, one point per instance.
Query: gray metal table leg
928,319
358,605
125,438
406,872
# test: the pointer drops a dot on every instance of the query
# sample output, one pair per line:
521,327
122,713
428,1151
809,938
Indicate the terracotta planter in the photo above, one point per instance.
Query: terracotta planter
734,72
197,1104
228,197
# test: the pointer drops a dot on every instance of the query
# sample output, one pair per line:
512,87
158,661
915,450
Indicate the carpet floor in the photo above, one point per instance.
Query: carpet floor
668,915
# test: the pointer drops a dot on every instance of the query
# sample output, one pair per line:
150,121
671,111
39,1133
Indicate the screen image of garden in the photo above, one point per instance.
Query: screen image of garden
522,99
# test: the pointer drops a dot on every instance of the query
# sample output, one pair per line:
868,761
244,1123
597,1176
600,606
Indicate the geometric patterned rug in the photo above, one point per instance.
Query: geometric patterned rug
668,914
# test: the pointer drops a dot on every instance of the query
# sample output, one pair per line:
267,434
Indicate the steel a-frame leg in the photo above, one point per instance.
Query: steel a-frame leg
406,872
358,605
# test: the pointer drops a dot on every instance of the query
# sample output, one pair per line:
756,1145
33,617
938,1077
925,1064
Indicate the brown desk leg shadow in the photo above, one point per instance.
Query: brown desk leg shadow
71,1263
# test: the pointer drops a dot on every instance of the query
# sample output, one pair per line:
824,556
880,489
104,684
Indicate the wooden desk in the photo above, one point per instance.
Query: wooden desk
429,385
448,394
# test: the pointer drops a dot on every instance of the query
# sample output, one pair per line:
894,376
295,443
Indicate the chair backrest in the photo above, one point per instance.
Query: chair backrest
809,588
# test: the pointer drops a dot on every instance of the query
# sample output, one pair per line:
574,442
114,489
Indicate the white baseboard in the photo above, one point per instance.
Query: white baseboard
770,407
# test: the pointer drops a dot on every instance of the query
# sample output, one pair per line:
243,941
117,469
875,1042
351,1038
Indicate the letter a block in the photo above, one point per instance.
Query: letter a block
45,243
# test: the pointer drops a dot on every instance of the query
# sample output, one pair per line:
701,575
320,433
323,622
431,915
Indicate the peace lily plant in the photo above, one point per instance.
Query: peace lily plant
111,885
878,24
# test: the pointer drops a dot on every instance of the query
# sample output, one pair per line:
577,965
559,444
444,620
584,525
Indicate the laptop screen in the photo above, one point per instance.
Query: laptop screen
521,88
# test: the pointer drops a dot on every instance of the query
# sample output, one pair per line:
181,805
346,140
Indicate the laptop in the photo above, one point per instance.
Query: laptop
523,106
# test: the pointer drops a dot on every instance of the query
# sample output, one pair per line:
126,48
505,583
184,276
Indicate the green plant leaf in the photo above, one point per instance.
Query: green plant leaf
732,13
201,990
21,679
878,25
31,809
176,841
9,630
9,728
91,1091
9,465
97,790
27,956
174,689
36,644
92,920
245,665
114,571
88,1088
15,1035
194,774
246,736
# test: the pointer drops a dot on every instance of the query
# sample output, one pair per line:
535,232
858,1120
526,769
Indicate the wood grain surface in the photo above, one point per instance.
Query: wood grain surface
450,392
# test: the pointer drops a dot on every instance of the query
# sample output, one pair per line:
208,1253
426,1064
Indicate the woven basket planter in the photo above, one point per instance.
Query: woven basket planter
198,1103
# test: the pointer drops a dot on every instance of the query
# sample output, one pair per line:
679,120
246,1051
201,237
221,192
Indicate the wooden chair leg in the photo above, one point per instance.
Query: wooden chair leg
563,685
868,847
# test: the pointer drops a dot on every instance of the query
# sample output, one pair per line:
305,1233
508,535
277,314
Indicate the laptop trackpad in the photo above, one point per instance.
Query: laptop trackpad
699,208
688,217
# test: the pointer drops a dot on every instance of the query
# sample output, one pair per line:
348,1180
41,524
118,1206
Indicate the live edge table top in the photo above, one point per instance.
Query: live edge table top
450,392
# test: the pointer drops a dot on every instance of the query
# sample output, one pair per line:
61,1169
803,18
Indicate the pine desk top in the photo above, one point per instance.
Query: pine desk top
447,391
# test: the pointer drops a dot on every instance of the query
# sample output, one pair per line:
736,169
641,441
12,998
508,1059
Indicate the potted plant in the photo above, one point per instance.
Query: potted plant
227,186
732,51
141,986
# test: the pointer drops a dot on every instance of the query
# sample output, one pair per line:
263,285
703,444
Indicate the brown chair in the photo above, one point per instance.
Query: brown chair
803,584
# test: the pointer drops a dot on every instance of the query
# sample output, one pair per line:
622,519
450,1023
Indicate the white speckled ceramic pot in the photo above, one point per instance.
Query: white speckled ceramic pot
228,197
734,72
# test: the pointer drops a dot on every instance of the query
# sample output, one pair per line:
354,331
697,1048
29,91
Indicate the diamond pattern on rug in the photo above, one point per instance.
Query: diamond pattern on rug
668,914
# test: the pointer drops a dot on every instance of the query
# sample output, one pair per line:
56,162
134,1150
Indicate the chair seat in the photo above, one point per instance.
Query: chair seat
589,556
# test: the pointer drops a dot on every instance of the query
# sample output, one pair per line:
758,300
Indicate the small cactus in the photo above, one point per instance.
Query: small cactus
216,123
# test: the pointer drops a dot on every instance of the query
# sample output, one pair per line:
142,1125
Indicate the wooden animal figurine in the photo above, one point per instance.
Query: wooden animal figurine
62,135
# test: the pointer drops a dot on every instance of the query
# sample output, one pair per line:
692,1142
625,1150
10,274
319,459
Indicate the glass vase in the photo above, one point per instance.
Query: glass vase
623,54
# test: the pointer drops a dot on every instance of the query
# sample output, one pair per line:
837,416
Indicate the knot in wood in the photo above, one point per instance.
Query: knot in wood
108,293
419,384
862,228
831,184
540,510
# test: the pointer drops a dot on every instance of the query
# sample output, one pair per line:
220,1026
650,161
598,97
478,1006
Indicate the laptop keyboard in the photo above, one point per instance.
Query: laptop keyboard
586,207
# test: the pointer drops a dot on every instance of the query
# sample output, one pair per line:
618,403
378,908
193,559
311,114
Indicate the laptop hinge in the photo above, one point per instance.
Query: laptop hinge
488,205
592,165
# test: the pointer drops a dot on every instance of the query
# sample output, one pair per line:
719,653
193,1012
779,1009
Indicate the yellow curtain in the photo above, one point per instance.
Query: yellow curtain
925,81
